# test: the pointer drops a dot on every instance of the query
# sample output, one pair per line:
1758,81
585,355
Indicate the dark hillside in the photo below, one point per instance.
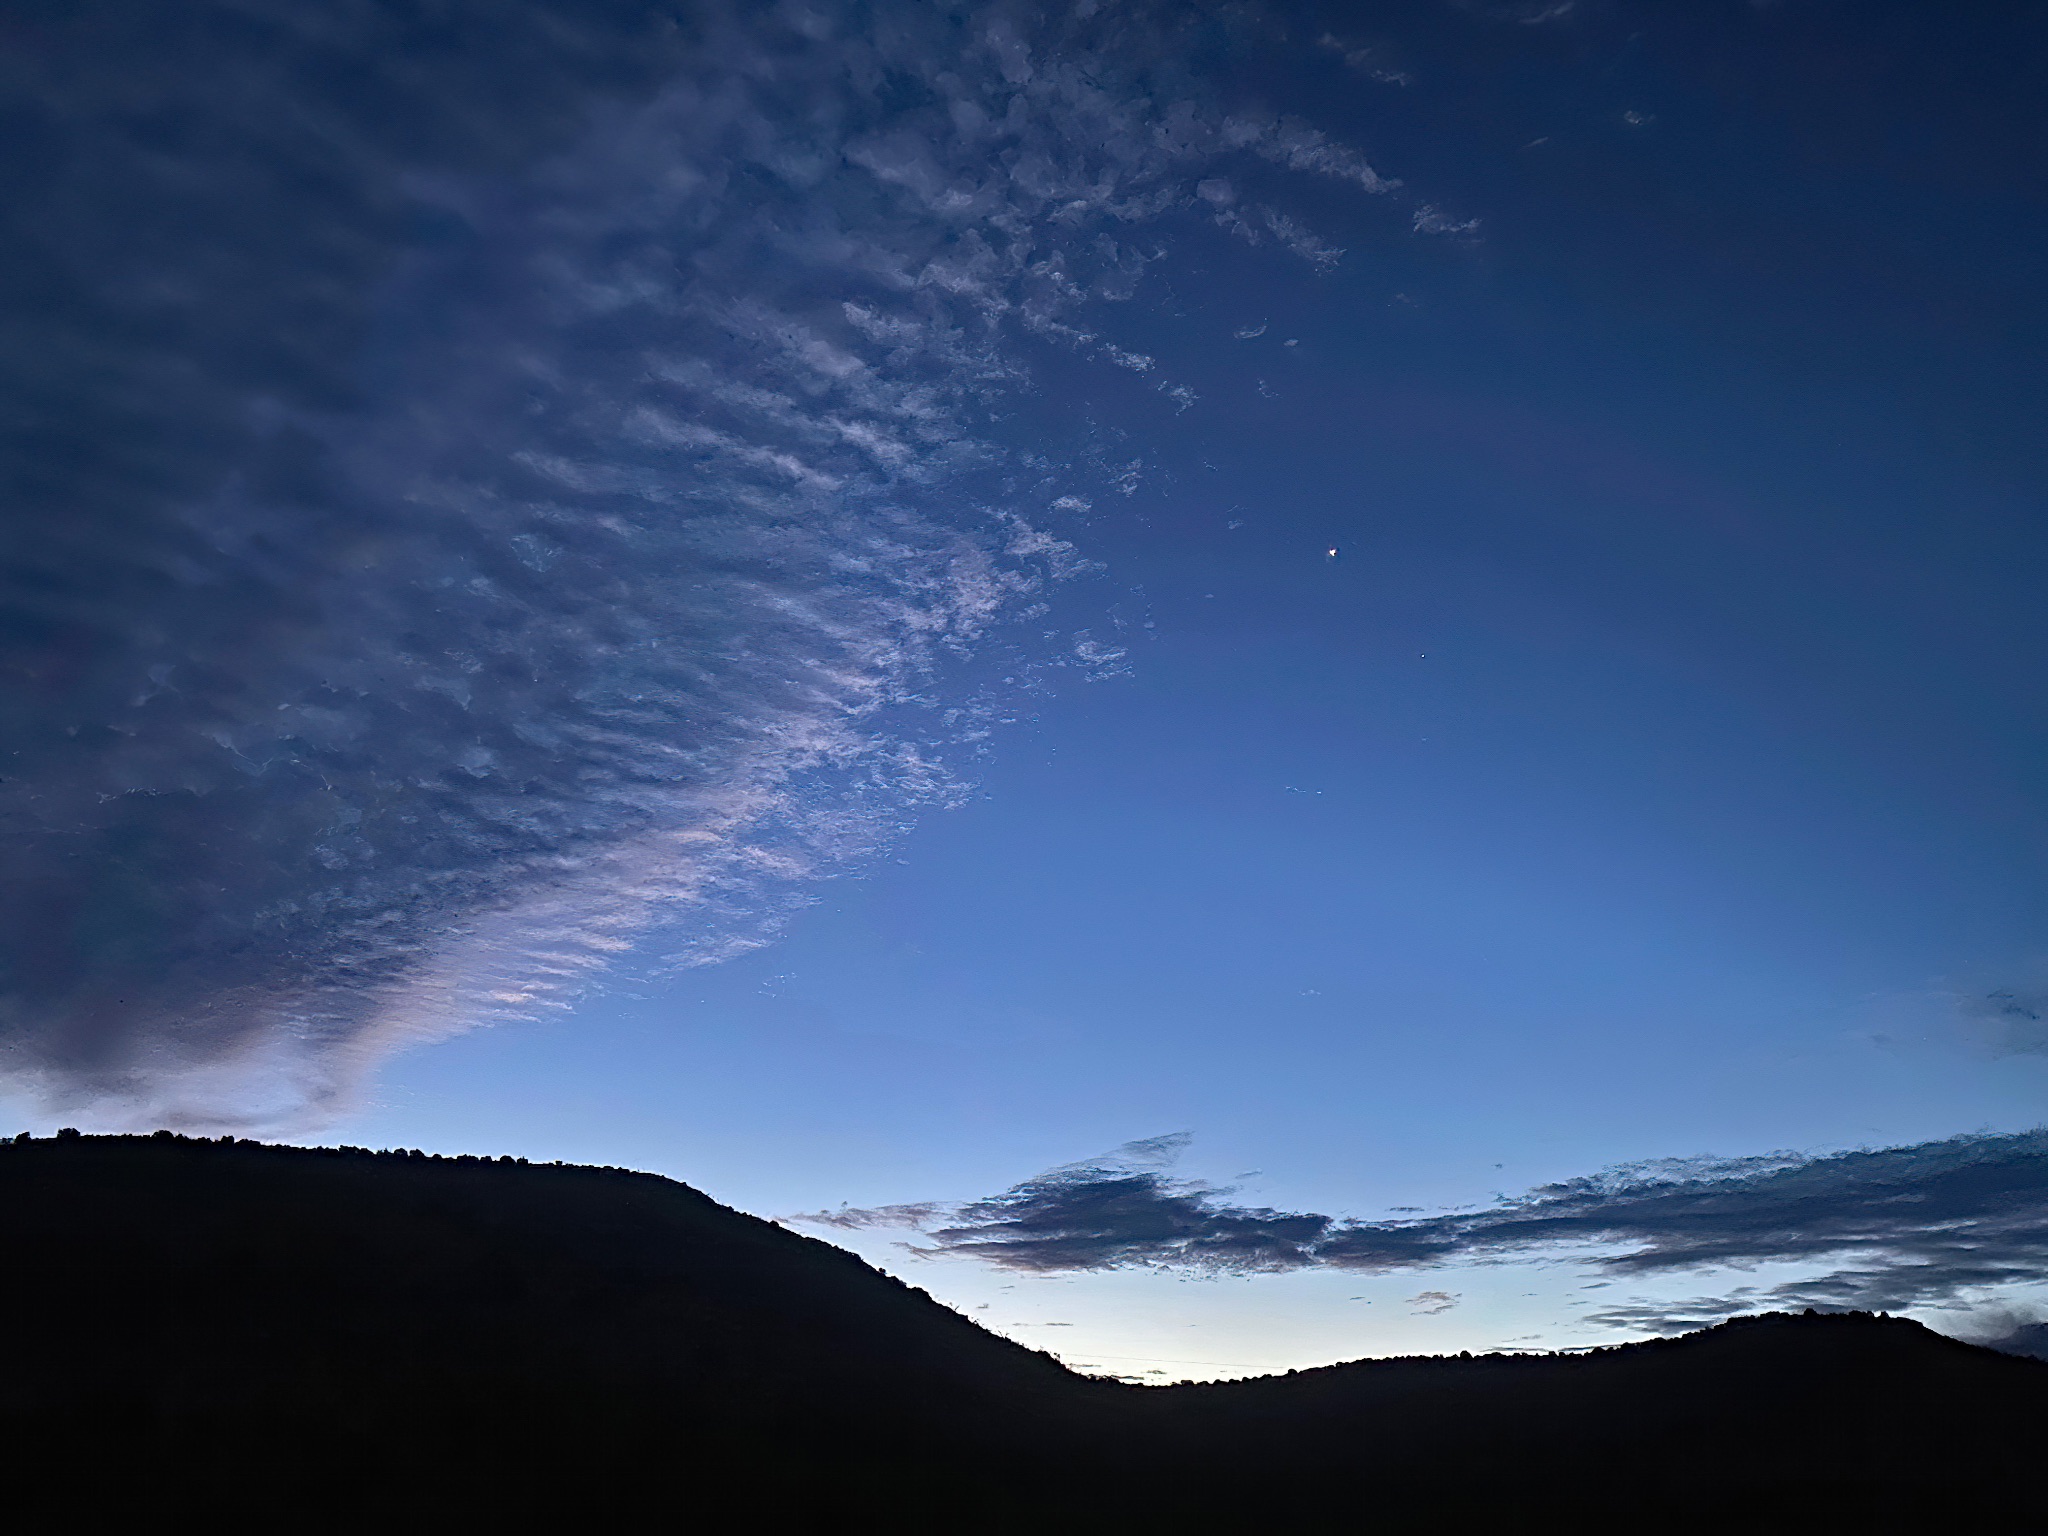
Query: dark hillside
323,1339
200,1311
1826,1415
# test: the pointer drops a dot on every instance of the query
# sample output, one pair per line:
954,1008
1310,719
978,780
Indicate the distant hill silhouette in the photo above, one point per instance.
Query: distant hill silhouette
211,1334
2029,1339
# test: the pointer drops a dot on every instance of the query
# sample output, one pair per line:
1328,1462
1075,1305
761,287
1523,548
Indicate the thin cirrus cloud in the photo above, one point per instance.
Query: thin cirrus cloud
484,503
2011,1021
1885,1229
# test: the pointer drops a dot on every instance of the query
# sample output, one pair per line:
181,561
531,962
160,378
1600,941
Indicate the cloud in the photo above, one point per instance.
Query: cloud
1888,1229
1528,13
1365,59
1113,1212
1432,220
480,510
2011,1021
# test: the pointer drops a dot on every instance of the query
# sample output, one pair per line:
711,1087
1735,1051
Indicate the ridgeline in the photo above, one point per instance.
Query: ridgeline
218,1333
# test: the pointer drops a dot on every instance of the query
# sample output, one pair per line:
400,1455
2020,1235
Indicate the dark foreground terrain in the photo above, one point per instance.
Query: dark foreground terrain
214,1335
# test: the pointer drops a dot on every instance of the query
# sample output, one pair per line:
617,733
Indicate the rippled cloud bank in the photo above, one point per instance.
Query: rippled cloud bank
489,486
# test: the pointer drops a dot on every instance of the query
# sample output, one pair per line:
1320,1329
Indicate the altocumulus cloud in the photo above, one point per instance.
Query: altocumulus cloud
488,483
1884,1229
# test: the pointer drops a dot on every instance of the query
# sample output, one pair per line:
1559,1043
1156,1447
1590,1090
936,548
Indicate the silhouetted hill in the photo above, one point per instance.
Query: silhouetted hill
2030,1339
204,1311
211,1334
1769,1422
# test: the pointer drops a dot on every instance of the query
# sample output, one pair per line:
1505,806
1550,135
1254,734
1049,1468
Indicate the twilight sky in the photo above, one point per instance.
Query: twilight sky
1240,685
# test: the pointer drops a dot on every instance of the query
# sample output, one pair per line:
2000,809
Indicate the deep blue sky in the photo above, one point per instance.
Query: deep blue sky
1655,768
1656,760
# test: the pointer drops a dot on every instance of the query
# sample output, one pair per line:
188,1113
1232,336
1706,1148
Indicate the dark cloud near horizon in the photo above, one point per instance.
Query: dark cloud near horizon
1893,1228
1120,1211
492,481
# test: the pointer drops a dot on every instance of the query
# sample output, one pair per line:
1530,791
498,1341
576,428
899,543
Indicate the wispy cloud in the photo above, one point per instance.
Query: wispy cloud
1884,1229
1366,59
2009,1020
1432,220
480,508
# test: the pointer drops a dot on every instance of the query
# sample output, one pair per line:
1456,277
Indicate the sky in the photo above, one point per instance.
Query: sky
1241,686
